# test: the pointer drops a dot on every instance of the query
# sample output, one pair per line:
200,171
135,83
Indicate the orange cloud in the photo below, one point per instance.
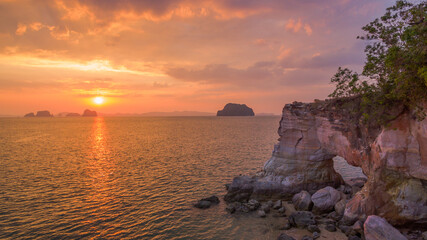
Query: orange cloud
296,26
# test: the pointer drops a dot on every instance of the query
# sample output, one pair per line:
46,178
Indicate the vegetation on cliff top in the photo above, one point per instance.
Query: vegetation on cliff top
395,71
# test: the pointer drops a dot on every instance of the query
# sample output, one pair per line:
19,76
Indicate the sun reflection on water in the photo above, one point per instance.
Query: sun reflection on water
101,169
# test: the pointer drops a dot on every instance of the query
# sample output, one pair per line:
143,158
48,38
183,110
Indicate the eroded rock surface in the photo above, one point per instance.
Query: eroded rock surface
394,159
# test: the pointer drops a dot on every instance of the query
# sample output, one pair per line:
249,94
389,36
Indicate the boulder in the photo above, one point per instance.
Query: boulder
301,219
213,199
284,236
29,115
233,109
206,202
325,199
377,228
340,207
277,204
261,213
306,238
313,228
202,204
302,201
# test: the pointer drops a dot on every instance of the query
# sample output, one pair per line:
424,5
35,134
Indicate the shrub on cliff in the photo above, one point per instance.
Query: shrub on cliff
395,72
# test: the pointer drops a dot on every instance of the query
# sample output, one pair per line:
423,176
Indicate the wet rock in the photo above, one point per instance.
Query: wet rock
231,209
284,236
316,235
277,204
261,214
302,201
240,189
313,228
340,207
202,204
287,226
325,199
377,228
330,228
301,219
213,199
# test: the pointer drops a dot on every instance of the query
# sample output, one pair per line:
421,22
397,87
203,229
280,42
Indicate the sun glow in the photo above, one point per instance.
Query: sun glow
98,100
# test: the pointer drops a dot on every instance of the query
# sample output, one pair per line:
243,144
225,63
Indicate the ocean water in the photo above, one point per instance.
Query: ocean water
130,177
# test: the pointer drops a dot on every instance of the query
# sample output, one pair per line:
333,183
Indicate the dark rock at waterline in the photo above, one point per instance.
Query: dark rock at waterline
284,236
206,202
301,219
29,115
233,109
213,199
203,204
43,114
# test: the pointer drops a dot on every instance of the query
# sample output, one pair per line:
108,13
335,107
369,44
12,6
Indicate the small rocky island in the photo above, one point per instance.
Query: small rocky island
89,113
234,109
39,114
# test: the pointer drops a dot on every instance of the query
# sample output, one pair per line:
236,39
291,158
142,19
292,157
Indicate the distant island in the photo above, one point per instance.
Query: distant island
39,114
89,113
45,113
234,109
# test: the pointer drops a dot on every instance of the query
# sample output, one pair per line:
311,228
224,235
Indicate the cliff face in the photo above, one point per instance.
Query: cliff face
233,109
393,158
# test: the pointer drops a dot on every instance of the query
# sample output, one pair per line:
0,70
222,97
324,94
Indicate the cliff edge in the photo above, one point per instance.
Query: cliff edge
393,157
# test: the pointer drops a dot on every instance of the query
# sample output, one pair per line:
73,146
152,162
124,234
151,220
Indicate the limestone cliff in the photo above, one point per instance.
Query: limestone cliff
394,158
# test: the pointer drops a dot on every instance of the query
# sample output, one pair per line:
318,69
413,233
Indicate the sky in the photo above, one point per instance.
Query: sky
175,55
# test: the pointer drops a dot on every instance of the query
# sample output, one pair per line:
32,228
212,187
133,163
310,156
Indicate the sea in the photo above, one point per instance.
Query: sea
131,177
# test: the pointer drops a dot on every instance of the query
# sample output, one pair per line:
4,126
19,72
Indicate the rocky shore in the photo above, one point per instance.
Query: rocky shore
300,171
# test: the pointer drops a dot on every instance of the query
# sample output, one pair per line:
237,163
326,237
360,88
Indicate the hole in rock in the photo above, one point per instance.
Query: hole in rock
346,170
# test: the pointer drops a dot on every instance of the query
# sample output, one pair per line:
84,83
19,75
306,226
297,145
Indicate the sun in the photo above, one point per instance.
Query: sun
99,100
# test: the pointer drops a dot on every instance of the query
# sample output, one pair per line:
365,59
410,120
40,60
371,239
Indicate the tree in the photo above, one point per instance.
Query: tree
396,64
